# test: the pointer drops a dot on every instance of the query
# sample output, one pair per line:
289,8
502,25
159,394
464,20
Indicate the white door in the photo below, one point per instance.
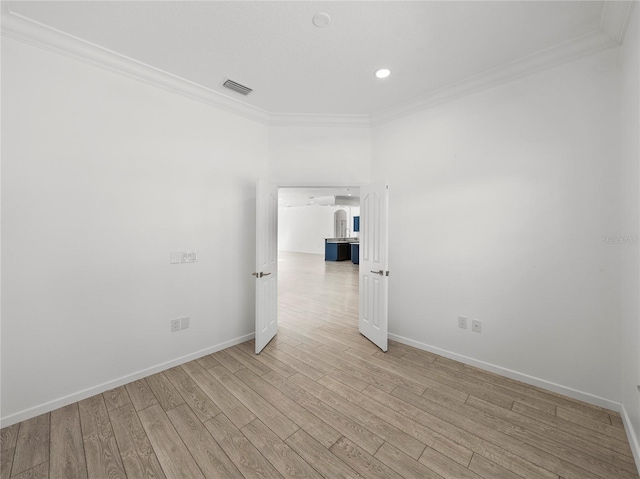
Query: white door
374,266
266,273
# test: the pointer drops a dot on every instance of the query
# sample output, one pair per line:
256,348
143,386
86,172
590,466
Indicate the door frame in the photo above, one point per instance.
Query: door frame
315,184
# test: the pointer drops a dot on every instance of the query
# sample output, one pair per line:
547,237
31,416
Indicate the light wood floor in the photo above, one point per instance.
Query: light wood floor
321,401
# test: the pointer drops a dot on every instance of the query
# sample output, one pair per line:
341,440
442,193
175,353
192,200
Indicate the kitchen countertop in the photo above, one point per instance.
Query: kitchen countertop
341,240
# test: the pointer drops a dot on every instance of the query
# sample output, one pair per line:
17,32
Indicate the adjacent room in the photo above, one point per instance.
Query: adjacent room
318,258
151,328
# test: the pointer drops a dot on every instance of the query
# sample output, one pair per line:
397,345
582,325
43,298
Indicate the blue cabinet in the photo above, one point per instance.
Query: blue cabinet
356,223
355,253
337,251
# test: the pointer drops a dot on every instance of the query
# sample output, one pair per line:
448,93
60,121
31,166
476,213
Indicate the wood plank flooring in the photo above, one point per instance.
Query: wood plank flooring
321,401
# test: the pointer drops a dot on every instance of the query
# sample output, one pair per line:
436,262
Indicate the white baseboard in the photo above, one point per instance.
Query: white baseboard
100,388
525,378
634,441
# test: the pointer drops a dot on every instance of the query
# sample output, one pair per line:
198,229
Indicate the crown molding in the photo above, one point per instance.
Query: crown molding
293,119
614,21
615,18
545,59
34,33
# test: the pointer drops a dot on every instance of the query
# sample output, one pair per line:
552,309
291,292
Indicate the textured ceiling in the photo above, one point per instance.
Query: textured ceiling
296,68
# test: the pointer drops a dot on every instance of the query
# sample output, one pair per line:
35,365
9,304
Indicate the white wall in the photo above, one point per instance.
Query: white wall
319,156
499,202
315,156
351,212
102,177
630,102
303,229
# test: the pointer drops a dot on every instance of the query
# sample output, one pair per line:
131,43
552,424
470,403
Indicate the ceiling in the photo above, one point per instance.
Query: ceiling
320,196
296,68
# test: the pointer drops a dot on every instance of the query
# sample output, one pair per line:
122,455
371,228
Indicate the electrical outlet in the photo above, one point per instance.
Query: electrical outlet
184,322
462,322
192,256
476,325
175,325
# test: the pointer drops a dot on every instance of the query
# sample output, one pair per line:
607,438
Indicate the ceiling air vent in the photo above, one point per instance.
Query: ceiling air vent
231,85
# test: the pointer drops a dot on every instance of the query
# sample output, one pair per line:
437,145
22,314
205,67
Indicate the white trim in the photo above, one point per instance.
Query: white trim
286,119
614,19
558,55
37,34
100,388
314,183
634,441
509,373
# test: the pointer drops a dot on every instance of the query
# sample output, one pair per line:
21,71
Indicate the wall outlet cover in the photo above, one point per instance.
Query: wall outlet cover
476,326
184,323
175,325
462,322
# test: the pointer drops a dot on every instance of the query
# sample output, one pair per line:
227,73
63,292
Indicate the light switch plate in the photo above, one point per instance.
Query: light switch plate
175,257
184,323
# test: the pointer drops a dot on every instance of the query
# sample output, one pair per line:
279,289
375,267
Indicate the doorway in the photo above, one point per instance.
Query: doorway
315,296
340,224
372,269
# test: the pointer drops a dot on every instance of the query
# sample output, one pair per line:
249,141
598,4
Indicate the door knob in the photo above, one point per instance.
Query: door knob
260,274
381,273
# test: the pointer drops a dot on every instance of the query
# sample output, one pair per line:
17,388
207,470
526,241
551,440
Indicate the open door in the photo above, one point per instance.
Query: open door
266,273
374,272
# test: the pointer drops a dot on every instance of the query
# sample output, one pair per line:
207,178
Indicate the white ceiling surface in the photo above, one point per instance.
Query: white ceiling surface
314,196
297,68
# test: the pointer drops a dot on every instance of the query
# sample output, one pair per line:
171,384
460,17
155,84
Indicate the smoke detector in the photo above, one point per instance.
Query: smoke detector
321,19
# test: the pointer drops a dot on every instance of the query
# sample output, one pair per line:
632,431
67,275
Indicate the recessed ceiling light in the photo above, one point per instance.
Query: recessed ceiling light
383,73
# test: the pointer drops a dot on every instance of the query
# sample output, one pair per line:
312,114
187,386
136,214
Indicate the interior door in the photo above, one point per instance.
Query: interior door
266,273
374,267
